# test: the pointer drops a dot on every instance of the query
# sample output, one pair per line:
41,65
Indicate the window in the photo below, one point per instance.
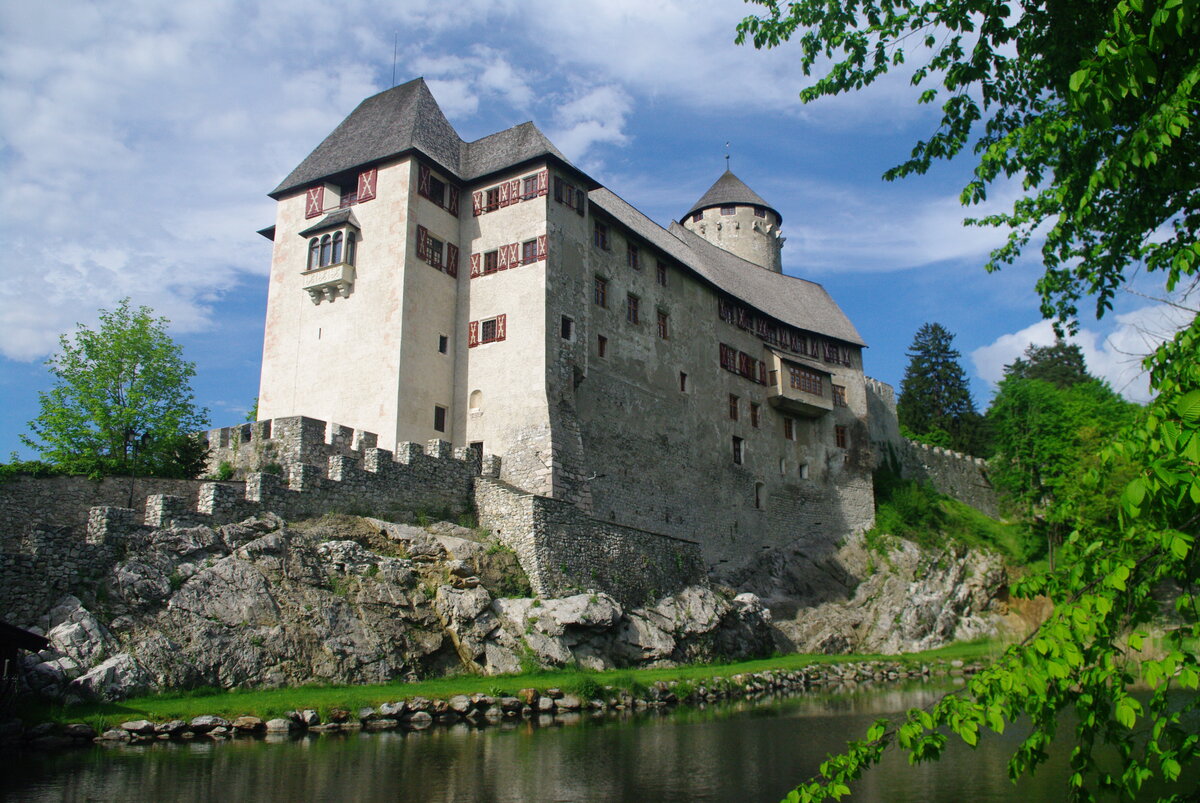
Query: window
567,194
789,428
493,200
760,211
728,210
683,382
734,406
600,292
841,436
443,344
529,188
600,235
739,450
491,330
697,217
439,418
337,248
806,381
491,262
331,249
631,309
760,496
631,257
437,192
755,411
433,251
529,252
804,471
567,328
661,273
601,346
326,250
839,396
663,319
314,253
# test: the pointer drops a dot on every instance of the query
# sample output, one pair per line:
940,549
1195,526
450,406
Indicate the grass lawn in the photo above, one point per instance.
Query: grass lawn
270,703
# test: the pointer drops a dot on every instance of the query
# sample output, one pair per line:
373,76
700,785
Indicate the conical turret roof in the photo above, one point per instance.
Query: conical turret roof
729,190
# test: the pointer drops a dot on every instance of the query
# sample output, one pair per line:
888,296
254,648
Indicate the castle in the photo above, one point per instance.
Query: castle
493,295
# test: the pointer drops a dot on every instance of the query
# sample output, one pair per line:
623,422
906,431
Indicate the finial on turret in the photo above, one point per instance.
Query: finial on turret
726,156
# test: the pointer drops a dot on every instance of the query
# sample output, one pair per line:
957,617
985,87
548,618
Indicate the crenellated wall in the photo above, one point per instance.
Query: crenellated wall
955,474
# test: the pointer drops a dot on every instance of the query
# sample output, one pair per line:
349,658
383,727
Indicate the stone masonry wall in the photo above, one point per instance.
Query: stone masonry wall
562,549
957,475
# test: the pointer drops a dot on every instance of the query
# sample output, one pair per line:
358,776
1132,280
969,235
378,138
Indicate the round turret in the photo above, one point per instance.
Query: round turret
735,218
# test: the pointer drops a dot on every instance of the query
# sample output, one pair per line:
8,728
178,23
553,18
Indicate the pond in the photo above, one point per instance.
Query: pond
731,752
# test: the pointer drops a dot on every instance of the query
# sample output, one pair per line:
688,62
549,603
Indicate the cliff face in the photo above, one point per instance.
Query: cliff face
349,600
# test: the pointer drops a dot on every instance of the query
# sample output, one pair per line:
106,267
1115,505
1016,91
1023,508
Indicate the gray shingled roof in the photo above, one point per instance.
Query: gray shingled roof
407,117
798,302
730,190
331,220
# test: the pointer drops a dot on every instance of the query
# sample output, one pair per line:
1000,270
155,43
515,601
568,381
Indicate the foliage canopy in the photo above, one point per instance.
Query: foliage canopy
935,403
1092,105
122,402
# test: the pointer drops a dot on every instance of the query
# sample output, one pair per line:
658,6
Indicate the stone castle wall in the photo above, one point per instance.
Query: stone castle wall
957,475
564,550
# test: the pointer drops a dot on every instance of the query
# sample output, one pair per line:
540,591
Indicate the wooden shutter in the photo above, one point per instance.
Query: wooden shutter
558,189
314,201
366,184
452,208
579,202
500,326
504,200
476,270
477,203
762,373
452,259
502,258
472,334
543,182
423,180
422,242
541,247
514,190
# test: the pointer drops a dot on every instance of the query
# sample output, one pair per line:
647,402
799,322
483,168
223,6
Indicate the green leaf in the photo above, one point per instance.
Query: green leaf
1188,407
1125,712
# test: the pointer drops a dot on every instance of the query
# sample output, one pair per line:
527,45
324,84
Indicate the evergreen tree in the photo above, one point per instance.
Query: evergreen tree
1060,364
935,404
122,403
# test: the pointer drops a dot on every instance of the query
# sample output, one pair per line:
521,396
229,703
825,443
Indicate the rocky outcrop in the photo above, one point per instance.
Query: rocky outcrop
906,598
351,600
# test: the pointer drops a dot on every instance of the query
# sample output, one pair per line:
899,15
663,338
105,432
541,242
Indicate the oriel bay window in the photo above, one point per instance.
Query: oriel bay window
329,263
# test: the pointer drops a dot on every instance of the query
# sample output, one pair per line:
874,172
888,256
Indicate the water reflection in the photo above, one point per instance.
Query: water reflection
734,752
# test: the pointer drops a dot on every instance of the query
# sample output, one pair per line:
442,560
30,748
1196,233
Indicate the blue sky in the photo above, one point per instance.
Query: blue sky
138,141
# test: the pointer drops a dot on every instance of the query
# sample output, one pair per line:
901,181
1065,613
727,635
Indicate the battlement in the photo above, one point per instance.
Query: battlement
277,444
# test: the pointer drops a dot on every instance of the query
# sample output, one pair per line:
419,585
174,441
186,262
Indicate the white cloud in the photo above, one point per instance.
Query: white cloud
593,115
1115,356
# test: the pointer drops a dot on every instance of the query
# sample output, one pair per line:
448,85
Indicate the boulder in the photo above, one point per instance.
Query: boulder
114,679
206,723
280,725
248,725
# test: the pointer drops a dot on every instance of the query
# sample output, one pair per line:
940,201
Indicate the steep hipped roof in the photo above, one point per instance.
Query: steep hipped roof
798,302
405,118
729,190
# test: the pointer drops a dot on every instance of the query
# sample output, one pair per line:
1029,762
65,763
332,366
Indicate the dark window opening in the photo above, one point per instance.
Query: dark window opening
601,345
841,436
443,344
663,320
600,292
754,414
631,309
528,252
733,407
600,235
728,210
491,262
439,418
567,328
661,274
631,257
739,449
683,382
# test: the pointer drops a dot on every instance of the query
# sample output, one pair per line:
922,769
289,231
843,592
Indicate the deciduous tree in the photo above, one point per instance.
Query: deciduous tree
122,401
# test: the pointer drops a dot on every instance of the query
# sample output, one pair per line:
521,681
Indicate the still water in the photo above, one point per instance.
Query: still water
733,752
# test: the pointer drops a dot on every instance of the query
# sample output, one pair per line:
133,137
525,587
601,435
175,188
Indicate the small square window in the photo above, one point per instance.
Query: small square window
443,344
491,262
487,330
804,471
841,436
437,191
839,396
728,210
754,414
760,211
734,405
697,217
600,235
631,309
683,382
434,248
493,199
528,252
739,450
601,345
661,273
567,328
663,322
631,257
600,292
439,418
529,188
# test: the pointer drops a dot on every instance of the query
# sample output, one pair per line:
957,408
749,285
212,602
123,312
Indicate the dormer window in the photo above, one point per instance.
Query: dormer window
329,270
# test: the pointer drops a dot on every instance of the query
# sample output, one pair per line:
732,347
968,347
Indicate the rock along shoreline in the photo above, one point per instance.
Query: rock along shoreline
543,707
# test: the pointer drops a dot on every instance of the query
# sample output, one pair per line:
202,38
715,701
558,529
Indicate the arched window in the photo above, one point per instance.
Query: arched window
475,402
350,238
337,248
314,253
326,245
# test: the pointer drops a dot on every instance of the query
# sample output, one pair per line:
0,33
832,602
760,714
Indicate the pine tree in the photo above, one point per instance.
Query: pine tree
1061,365
935,404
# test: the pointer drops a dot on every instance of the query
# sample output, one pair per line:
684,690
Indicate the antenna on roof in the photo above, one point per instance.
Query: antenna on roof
726,155
395,45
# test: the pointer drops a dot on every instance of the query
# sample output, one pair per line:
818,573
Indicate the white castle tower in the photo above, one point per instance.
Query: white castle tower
734,217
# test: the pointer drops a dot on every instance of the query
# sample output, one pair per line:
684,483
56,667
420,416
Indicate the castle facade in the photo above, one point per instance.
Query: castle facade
493,295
